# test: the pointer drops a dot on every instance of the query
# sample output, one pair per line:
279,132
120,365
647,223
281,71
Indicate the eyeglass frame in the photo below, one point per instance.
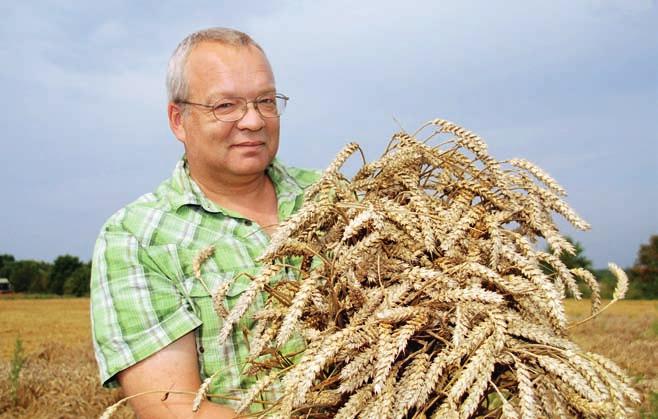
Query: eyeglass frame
245,109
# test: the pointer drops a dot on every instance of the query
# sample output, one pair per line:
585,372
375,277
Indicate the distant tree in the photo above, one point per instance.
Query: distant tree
41,284
24,273
78,283
575,260
578,259
63,267
644,273
5,259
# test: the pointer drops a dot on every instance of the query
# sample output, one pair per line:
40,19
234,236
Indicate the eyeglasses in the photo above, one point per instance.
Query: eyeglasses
231,109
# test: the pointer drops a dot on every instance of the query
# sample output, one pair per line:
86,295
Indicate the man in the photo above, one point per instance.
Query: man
153,322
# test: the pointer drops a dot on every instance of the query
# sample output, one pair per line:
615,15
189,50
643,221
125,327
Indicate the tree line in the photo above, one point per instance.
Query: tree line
642,275
68,275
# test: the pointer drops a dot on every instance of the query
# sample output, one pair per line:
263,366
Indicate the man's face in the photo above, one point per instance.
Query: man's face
227,150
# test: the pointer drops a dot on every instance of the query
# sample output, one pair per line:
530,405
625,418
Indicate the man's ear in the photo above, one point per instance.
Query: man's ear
175,116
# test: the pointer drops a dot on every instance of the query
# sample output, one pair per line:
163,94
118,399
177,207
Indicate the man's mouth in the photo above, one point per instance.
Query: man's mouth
249,144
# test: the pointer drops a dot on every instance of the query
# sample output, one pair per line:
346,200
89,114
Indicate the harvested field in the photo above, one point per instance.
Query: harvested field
64,320
59,379
627,333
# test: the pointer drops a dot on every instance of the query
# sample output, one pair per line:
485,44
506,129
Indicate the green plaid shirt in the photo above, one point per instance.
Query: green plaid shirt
143,291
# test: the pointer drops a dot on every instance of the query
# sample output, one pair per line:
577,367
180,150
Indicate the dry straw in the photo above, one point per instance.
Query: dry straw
433,297
422,293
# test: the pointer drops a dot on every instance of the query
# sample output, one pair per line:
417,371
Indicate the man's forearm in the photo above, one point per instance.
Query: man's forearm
178,406
174,368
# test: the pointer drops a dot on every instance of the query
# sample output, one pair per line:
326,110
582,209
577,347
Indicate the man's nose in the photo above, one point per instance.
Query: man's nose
252,119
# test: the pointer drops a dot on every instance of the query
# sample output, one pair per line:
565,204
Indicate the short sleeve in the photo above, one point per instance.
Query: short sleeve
138,307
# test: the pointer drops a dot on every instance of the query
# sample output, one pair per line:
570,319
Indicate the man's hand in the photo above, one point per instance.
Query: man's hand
173,368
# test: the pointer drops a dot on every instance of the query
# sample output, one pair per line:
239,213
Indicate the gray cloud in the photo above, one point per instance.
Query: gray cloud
569,85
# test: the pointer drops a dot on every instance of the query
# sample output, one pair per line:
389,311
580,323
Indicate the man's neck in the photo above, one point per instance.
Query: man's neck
253,197
225,189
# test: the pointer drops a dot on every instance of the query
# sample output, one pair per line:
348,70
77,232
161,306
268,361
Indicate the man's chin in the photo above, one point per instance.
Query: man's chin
252,167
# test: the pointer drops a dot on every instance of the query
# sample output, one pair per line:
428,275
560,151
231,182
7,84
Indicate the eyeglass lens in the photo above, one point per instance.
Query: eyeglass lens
233,109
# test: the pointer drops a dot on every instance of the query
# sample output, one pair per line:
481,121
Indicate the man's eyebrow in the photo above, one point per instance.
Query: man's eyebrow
214,97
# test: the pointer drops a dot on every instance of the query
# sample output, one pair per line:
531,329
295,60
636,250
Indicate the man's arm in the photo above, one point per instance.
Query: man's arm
174,367
143,325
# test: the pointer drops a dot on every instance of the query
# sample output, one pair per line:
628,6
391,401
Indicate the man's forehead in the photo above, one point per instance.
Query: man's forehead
226,66
214,51
260,83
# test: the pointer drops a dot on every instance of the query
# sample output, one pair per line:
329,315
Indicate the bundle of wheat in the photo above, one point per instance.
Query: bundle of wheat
422,293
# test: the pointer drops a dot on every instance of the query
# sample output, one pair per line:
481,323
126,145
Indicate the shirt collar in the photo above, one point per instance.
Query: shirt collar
185,191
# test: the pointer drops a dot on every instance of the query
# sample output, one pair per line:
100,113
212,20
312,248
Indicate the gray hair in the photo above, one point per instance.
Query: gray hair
177,88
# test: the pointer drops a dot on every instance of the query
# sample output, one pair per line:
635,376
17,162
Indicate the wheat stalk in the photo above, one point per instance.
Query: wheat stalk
422,294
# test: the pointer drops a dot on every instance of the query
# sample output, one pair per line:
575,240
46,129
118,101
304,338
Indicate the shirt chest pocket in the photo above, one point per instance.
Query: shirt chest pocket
212,282
231,285
203,276
218,274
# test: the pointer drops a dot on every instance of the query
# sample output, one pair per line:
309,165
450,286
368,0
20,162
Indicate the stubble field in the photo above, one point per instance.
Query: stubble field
59,377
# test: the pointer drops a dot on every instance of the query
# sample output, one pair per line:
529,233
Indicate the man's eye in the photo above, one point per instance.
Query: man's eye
226,106
269,100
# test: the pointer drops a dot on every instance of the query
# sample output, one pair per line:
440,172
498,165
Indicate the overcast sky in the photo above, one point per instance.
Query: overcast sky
569,85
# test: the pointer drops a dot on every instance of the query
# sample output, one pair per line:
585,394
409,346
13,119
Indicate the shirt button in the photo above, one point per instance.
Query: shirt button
201,349
247,222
